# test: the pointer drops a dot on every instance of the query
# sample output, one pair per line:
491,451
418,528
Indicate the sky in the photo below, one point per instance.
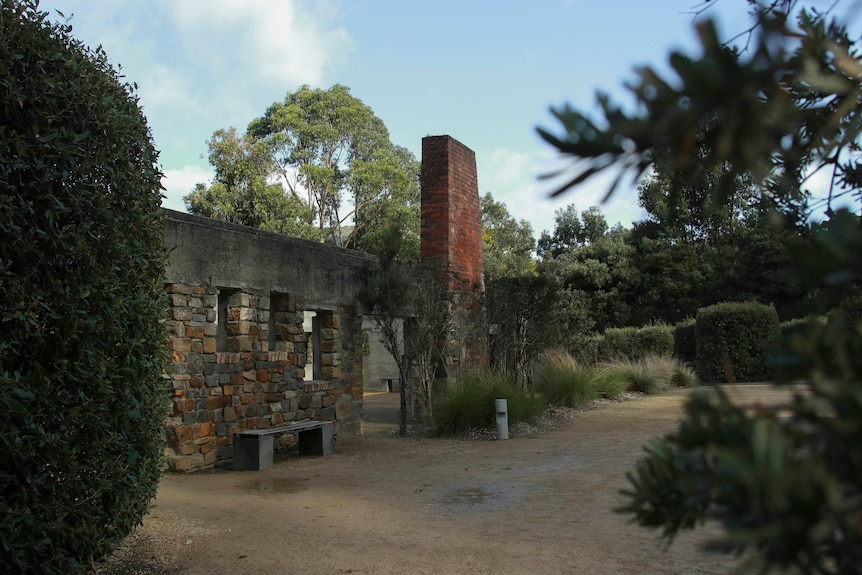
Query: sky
485,72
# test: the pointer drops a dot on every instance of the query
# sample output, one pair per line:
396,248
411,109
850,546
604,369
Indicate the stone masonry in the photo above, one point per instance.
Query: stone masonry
244,351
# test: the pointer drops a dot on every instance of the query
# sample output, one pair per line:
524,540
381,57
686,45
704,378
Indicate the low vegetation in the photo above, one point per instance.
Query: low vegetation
469,403
560,381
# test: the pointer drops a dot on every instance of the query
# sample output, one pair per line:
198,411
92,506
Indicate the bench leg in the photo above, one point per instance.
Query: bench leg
316,441
252,453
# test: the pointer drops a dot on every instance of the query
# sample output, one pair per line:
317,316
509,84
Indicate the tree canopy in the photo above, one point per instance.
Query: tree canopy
318,164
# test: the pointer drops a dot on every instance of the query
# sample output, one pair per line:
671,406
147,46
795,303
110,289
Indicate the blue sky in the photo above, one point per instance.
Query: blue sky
484,72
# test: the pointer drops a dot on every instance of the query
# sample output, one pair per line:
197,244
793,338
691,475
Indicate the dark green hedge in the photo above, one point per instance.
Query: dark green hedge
685,341
618,342
653,340
635,343
736,341
82,343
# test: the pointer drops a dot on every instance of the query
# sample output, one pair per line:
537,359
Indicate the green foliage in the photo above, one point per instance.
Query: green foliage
519,308
565,383
601,277
636,343
656,339
571,231
638,375
469,403
782,481
507,244
618,342
587,350
685,341
241,192
312,162
736,341
82,343
610,383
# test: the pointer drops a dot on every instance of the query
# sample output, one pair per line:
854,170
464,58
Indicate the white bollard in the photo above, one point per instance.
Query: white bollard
502,409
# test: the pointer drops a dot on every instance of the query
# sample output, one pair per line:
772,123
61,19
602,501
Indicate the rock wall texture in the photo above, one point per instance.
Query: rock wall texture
264,330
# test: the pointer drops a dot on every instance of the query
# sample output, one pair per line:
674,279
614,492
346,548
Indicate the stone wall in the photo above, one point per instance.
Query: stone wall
264,330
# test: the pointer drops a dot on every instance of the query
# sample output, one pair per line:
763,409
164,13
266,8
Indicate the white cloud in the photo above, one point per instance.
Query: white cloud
279,42
512,178
179,182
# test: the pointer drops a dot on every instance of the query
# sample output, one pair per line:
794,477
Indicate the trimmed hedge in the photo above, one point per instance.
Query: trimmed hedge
736,341
653,340
685,341
618,342
636,343
82,301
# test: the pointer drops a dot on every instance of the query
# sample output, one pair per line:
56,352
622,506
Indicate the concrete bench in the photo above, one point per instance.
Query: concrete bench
253,448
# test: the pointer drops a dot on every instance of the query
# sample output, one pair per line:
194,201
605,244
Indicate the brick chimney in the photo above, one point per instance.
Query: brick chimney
451,217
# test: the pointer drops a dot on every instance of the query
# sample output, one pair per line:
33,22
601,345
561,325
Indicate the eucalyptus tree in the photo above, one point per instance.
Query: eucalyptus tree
318,164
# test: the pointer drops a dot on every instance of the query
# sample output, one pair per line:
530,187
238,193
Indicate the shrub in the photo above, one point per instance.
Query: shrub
684,342
652,340
82,344
618,342
609,383
736,341
469,403
637,375
588,350
684,376
565,383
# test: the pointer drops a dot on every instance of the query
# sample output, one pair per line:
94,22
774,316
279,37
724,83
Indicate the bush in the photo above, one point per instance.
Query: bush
618,342
82,344
469,403
684,376
736,341
637,376
587,351
684,341
652,340
565,383
610,384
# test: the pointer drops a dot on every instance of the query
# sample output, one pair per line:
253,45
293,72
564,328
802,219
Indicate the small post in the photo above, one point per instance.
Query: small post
502,409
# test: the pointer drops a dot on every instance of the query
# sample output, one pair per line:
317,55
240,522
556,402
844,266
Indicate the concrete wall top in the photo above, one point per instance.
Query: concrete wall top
204,251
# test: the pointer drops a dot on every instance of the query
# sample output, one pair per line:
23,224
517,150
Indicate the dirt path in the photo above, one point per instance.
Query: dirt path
381,504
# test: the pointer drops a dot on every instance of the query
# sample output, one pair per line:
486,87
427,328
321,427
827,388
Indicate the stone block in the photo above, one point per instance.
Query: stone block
238,299
241,314
229,414
194,331
181,344
239,344
180,288
326,334
330,346
238,328
343,407
330,372
209,345
180,463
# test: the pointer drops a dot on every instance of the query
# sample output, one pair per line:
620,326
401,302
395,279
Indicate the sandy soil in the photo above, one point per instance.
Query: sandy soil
385,505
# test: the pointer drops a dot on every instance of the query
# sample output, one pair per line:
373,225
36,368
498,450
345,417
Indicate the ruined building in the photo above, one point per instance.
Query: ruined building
266,329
